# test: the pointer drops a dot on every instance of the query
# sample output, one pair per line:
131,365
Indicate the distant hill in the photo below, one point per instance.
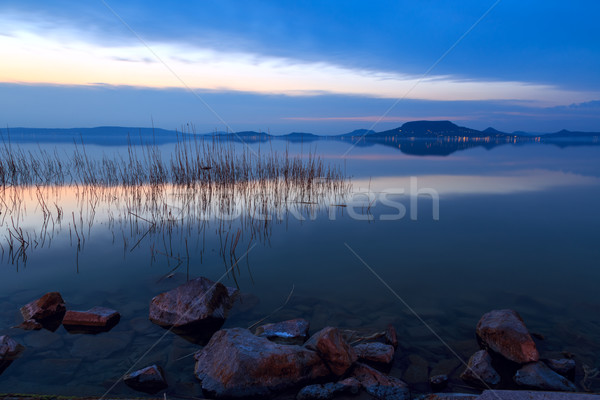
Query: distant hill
430,129
358,133
570,134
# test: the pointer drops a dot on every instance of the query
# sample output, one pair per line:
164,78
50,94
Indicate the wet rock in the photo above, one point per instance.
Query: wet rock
391,337
539,376
504,332
198,307
148,380
480,370
563,366
94,320
529,395
236,363
438,382
378,385
375,352
30,325
294,331
329,390
417,371
333,349
9,351
48,310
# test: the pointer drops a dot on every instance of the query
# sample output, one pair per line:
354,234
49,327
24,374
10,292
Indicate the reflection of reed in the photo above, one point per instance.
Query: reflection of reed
163,206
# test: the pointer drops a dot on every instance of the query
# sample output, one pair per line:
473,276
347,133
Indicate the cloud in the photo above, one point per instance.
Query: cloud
34,53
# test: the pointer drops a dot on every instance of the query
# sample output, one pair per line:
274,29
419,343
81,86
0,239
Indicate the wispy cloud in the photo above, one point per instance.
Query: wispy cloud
375,118
31,54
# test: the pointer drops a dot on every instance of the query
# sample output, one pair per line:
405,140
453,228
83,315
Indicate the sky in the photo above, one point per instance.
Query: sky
311,66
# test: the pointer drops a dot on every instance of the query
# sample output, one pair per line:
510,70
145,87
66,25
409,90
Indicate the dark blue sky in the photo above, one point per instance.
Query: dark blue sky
297,66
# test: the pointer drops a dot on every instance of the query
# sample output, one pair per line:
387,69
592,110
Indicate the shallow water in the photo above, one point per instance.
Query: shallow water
516,227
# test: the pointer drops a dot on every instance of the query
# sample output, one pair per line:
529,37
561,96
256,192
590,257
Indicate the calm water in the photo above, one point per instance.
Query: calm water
516,227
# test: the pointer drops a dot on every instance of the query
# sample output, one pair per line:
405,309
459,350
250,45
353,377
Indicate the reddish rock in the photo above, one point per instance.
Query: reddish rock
539,376
199,305
9,351
148,380
333,349
97,319
390,336
504,332
51,305
294,331
375,352
235,363
329,390
30,325
379,385
480,371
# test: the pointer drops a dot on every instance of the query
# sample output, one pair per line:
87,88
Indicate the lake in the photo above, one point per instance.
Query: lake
453,236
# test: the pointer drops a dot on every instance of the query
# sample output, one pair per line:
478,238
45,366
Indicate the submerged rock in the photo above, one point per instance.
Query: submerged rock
293,331
438,382
504,332
390,336
148,380
30,325
48,311
333,349
375,352
563,366
450,396
235,363
480,371
539,376
94,320
9,351
198,307
329,390
380,386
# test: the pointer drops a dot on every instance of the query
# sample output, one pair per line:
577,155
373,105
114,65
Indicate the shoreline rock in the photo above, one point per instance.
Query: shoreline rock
149,380
94,320
293,331
480,371
505,333
539,376
333,349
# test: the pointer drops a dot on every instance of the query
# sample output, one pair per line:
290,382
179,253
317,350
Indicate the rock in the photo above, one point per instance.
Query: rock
9,351
236,363
450,396
504,332
48,310
438,382
94,320
198,307
528,395
380,386
148,380
417,371
563,366
333,349
30,325
329,390
539,376
390,336
294,331
375,352
480,370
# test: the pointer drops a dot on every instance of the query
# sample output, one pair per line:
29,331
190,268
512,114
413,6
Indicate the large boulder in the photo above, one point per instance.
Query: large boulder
378,385
375,352
293,331
48,311
9,351
539,376
480,371
333,349
149,380
504,332
97,319
235,363
198,307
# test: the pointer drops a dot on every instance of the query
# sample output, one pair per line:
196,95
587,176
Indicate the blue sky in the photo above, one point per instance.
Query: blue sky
324,67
